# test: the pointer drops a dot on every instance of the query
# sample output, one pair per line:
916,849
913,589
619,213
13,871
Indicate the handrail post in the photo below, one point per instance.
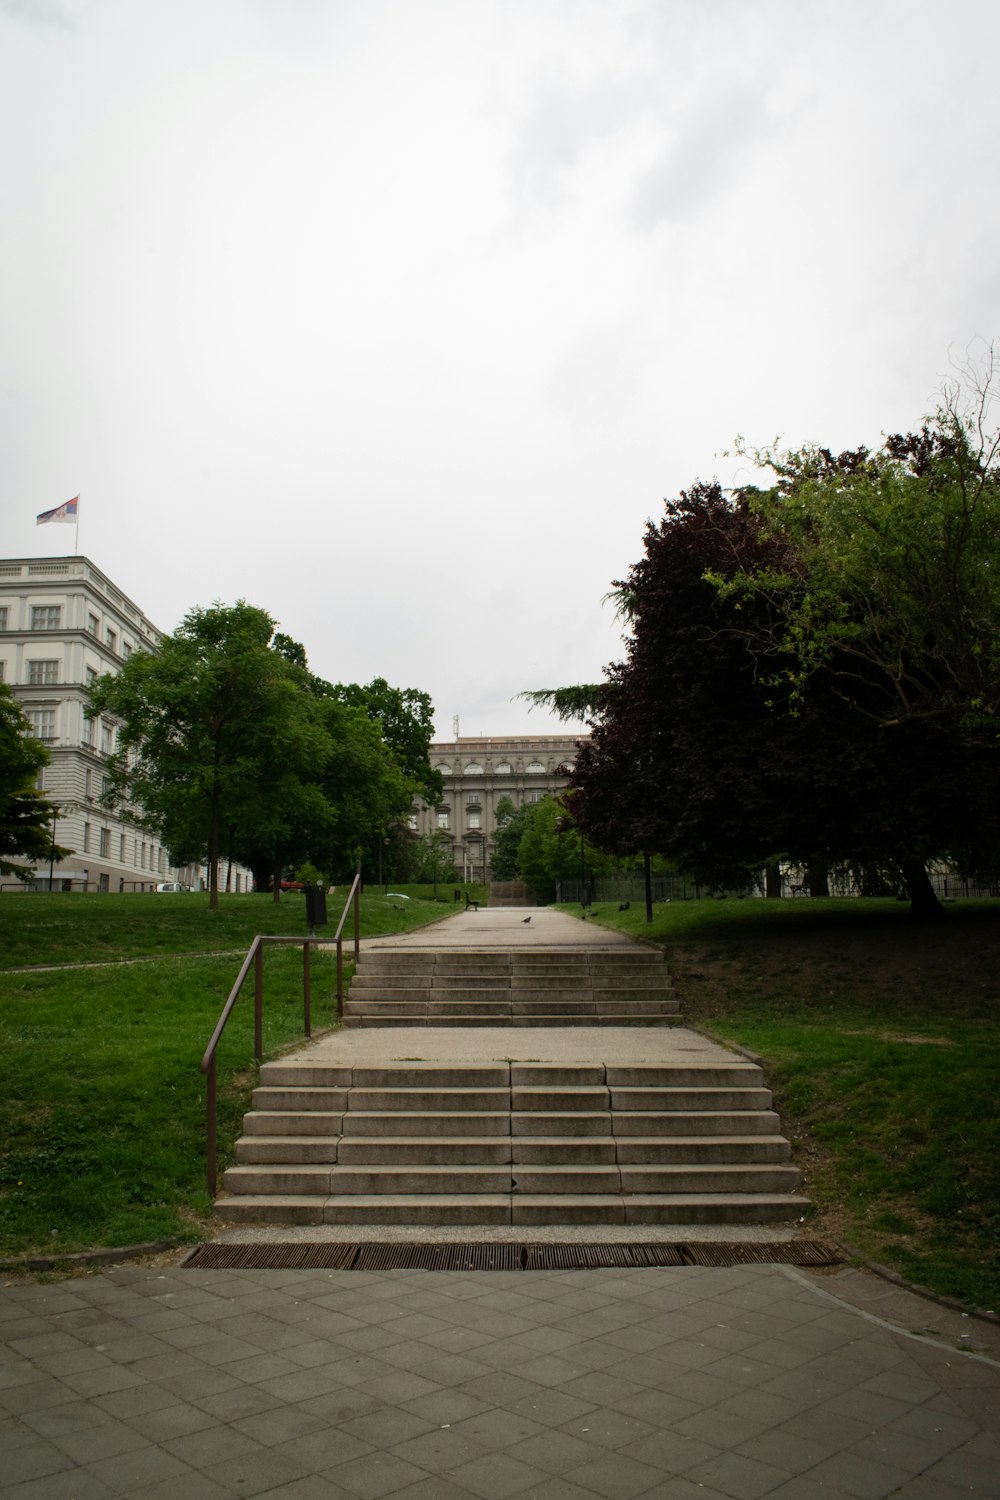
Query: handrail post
211,1126
258,1002
340,978
357,921
306,991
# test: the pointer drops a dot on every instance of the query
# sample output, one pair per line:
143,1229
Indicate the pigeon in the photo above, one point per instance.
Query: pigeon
527,919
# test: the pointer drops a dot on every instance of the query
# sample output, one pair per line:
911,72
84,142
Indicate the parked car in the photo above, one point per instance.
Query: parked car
172,885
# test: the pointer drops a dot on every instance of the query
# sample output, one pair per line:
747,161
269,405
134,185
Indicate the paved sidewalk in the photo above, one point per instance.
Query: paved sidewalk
506,927
166,1384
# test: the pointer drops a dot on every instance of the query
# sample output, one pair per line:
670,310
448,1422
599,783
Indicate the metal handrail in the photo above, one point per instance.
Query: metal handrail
255,958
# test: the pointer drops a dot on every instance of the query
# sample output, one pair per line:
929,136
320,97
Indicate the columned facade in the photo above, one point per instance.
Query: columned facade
477,772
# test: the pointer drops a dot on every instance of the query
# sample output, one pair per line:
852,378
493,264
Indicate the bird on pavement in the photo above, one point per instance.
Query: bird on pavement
526,919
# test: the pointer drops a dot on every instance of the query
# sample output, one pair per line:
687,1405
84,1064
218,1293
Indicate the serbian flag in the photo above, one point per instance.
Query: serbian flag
67,512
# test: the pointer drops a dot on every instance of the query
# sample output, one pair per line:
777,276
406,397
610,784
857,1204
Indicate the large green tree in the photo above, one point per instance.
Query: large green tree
707,749
212,728
25,815
885,576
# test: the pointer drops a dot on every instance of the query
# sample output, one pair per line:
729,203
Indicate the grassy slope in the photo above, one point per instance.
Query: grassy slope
881,1041
103,1107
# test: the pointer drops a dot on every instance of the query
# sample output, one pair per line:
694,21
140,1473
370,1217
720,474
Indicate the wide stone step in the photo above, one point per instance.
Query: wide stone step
416,1100
325,1100
431,1151
404,1123
313,1122
503,1208
667,1017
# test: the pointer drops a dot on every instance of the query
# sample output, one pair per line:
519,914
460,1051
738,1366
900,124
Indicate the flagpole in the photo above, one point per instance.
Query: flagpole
76,539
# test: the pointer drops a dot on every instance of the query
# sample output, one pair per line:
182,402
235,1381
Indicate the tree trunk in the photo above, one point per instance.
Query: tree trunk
214,841
276,882
772,880
924,904
818,877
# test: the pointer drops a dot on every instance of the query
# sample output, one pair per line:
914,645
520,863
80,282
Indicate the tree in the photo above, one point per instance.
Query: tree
432,859
25,815
887,578
212,727
405,717
705,751
510,823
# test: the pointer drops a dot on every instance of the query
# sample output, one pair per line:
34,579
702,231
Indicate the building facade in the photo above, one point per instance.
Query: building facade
63,623
478,771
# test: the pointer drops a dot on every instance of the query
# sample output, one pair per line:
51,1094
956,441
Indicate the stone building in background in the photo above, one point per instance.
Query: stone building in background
63,623
478,771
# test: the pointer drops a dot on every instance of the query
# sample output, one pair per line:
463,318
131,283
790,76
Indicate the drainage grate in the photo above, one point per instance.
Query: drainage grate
502,1256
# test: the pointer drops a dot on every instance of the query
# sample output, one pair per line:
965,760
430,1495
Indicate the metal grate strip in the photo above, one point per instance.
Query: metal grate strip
502,1256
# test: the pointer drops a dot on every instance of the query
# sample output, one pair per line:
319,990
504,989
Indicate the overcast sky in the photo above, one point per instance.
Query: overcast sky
399,318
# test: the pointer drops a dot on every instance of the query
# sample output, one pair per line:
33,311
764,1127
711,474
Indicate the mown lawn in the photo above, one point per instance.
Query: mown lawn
882,1042
102,1112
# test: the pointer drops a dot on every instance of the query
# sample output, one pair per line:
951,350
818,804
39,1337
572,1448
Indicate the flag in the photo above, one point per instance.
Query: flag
67,512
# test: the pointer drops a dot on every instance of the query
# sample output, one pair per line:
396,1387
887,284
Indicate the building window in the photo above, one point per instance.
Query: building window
412,821
121,848
105,843
43,673
3,670
475,820
107,738
46,616
3,617
104,883
443,817
86,838
91,676
535,768
534,796
126,650
504,768
92,625
474,799
445,770
473,770
110,639
43,723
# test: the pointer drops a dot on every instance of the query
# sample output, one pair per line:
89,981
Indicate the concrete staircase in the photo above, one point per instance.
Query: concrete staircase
511,1144
606,986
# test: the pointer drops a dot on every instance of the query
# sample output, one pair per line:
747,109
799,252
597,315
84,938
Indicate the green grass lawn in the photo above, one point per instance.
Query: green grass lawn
881,1041
102,1113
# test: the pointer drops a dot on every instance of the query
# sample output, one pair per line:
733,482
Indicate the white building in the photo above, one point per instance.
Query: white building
62,624
477,772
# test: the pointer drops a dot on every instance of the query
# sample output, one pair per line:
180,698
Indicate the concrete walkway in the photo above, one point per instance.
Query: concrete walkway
506,927
167,1384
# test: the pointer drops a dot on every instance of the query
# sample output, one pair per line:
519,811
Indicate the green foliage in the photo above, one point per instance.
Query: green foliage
889,579
510,823
25,815
431,859
540,844
579,702
229,745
